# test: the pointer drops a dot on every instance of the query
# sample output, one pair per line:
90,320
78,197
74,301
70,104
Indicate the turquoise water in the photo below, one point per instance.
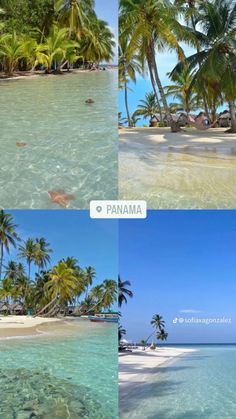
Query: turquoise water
68,373
200,385
68,145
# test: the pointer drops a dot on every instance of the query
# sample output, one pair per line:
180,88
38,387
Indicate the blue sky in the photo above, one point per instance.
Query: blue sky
73,233
108,11
178,261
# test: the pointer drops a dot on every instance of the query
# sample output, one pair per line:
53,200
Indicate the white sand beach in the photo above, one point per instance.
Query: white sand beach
22,325
189,169
138,367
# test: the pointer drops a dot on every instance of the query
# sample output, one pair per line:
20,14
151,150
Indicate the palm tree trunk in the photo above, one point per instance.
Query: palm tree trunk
159,85
45,307
233,117
1,260
127,105
29,270
154,86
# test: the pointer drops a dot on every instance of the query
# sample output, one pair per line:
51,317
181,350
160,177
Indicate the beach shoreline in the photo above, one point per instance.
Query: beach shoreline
141,366
41,74
23,326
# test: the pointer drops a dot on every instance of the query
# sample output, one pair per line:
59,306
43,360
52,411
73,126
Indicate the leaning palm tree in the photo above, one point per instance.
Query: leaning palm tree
28,251
8,235
61,287
123,291
162,335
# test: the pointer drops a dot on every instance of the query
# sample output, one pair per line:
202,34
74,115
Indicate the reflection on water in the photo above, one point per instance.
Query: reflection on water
179,177
68,372
50,139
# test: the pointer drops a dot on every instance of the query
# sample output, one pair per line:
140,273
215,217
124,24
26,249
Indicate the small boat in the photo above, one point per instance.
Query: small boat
104,317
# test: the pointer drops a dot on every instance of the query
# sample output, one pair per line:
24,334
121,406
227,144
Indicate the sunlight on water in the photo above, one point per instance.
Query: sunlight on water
70,372
200,385
63,143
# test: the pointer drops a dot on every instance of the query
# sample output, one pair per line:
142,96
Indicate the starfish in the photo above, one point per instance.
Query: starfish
61,197
20,144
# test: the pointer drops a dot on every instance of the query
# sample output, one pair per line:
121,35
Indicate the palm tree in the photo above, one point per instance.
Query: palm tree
13,48
97,42
42,253
28,251
62,286
74,14
129,65
148,108
8,235
7,291
152,25
123,291
183,91
55,49
158,322
89,275
216,58
109,288
162,335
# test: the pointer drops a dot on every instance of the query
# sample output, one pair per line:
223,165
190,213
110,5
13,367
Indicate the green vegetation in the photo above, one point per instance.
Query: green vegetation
203,80
51,289
40,35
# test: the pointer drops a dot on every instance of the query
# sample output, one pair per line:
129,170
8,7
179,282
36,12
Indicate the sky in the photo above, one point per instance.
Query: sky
108,10
73,233
181,264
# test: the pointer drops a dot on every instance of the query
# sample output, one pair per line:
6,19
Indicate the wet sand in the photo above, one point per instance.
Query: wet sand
192,169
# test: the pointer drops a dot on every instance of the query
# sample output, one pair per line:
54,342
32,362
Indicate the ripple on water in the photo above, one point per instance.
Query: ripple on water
69,145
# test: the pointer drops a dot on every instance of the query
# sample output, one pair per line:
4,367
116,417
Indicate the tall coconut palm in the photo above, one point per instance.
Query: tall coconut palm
8,235
109,288
129,66
42,253
89,275
151,25
28,252
158,322
215,62
62,284
123,291
7,291
74,14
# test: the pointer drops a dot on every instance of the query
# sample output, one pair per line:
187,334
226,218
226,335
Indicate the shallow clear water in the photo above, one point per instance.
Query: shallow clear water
200,385
70,145
189,174
70,372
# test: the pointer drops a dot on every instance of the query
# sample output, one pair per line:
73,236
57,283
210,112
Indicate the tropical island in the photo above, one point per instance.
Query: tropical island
55,361
65,289
183,122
